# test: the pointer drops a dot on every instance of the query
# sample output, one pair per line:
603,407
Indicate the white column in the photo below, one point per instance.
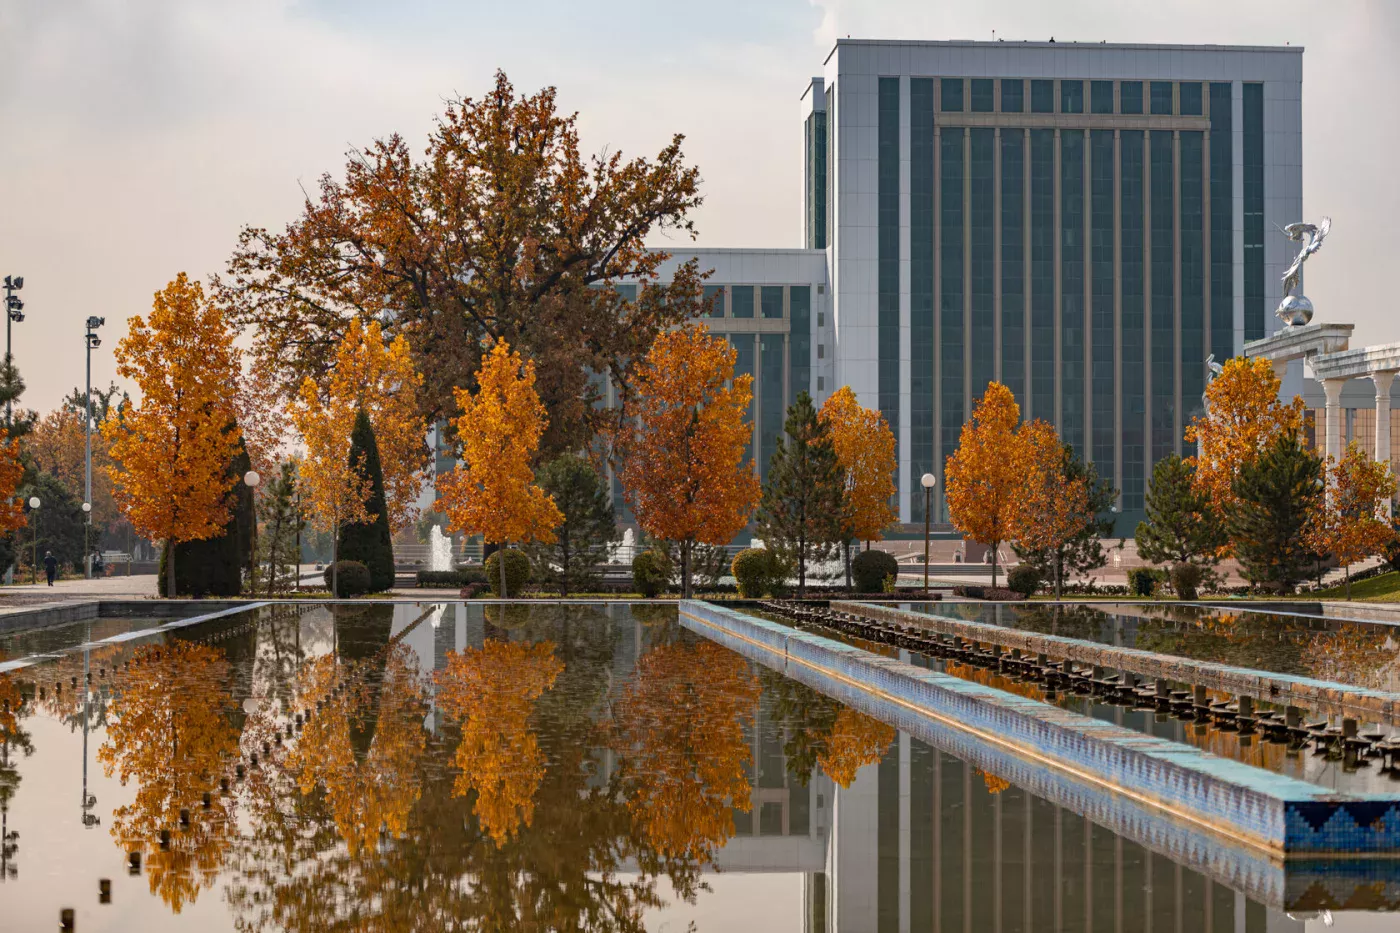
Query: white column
1333,390
1383,382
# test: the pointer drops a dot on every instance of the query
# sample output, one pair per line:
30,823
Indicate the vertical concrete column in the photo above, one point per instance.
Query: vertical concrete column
1383,381
1332,388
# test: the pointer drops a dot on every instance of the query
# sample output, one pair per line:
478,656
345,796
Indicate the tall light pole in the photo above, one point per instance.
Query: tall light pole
928,481
34,558
92,342
251,480
14,314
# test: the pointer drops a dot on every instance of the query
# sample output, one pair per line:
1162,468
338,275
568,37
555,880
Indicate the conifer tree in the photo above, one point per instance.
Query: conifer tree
1182,525
277,534
581,540
368,541
801,515
1275,496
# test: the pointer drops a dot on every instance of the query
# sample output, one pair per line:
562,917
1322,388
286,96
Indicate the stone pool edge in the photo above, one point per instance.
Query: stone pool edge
1273,813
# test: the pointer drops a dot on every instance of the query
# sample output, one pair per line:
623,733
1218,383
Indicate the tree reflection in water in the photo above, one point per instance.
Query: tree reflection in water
824,733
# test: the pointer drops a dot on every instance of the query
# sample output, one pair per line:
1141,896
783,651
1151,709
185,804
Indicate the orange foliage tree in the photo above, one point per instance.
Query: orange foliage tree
856,740
11,475
171,453
685,473
865,447
1350,521
368,375
985,478
59,446
682,720
492,690
493,492
1053,506
1243,418
170,730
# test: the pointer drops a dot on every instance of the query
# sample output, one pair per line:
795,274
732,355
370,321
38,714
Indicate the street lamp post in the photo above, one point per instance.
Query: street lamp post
34,523
251,480
92,342
928,481
14,314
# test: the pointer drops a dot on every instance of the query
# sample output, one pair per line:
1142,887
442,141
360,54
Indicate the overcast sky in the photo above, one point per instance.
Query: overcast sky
137,136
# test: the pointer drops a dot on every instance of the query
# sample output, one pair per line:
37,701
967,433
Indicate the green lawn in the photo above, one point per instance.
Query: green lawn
1382,589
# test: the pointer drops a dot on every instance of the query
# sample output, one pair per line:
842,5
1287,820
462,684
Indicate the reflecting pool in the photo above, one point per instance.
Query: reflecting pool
544,767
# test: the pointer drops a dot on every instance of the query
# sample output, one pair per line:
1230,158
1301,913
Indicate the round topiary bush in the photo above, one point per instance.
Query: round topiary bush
651,571
1024,579
1185,580
517,572
870,569
351,577
756,571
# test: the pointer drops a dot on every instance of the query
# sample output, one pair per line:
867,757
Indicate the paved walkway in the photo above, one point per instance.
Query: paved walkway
115,587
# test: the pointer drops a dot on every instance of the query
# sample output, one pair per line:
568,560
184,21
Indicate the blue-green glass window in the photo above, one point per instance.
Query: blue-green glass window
800,344
887,245
1042,96
1190,94
830,187
1253,158
982,258
741,301
1161,93
921,284
1130,97
770,398
1013,95
1103,384
1013,262
626,292
1101,96
1222,208
1071,97
714,300
983,95
816,180
1072,289
950,288
1191,185
770,301
744,366
1042,393
952,96
1132,281
1164,354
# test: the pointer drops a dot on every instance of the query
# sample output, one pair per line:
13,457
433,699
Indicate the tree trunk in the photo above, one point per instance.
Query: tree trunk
1348,573
994,565
1058,575
847,546
685,568
801,567
335,553
501,560
170,568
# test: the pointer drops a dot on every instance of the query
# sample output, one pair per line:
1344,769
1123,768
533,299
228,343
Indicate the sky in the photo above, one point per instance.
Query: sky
138,136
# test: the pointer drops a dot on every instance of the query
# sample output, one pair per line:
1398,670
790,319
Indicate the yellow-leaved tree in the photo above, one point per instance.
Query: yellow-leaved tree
685,473
492,493
865,448
1243,418
1350,521
1052,506
985,477
171,452
11,475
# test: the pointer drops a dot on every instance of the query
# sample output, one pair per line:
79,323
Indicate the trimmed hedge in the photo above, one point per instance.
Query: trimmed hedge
351,577
756,571
651,571
1024,579
871,568
994,593
451,578
517,572
1142,581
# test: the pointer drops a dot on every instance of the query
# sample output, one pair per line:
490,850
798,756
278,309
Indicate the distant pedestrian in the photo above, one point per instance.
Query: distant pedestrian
50,566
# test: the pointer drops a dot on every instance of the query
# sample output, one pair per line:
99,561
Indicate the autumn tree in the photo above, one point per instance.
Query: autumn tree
1243,418
685,473
802,512
582,539
170,454
1350,522
1082,551
58,445
1053,505
865,448
985,477
1182,525
501,231
1273,499
855,740
369,541
492,493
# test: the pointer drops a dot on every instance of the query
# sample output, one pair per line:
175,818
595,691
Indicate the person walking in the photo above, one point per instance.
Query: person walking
50,566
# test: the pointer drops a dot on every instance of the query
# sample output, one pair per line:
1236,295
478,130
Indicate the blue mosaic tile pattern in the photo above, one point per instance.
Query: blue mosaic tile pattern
1188,792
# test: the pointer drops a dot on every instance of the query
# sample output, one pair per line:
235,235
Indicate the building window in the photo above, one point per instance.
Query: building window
887,244
1042,194
950,289
821,351
821,383
1192,265
1190,92
1161,98
715,293
1130,97
821,317
1103,382
770,300
983,95
921,283
1013,262
1162,312
1131,327
1072,290
770,398
1253,158
741,301
981,319
816,180
1222,209
1042,96
952,98
800,343
1071,97
1101,96
1013,95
